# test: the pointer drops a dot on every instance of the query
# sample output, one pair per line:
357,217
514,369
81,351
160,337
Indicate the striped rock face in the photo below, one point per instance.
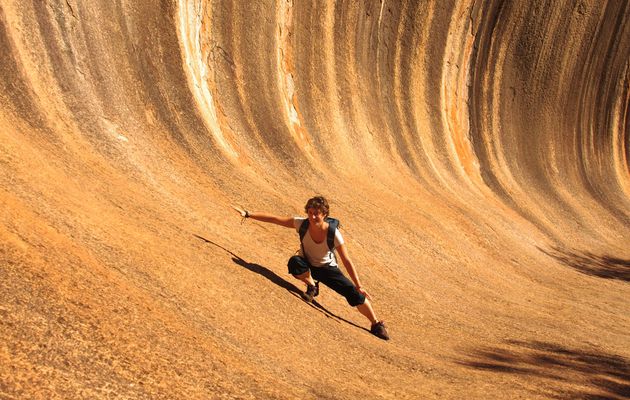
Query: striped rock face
476,153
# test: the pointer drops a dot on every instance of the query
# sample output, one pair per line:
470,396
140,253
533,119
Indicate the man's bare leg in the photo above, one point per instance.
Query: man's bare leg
306,278
367,310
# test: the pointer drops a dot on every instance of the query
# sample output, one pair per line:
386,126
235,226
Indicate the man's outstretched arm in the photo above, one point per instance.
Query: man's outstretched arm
287,222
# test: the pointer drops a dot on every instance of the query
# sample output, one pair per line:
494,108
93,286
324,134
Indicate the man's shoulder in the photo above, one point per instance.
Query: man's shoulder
338,237
297,222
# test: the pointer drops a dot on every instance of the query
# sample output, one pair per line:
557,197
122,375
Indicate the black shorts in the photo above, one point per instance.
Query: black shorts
330,276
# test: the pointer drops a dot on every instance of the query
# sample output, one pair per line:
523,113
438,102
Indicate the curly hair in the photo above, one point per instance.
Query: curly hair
319,203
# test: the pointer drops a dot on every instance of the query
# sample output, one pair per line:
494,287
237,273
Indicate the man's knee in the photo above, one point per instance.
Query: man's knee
355,298
297,266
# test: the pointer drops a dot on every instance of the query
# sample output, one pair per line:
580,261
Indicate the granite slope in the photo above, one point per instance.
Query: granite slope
476,153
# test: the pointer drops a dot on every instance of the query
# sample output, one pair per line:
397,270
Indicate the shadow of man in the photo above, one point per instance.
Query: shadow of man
283,283
273,277
269,274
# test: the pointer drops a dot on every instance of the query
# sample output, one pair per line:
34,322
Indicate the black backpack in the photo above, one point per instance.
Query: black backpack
333,224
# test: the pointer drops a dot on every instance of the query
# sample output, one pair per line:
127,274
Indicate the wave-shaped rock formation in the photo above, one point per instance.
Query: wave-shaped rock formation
476,153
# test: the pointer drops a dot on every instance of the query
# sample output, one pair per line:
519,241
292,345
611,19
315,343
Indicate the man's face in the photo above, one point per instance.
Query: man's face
316,216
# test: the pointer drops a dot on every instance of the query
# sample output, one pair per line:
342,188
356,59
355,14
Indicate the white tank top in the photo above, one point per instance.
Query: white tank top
317,254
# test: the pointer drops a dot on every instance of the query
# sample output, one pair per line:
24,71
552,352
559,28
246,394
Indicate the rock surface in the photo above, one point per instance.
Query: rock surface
476,153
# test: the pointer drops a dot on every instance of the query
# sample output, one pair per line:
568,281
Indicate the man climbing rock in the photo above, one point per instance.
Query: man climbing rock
316,261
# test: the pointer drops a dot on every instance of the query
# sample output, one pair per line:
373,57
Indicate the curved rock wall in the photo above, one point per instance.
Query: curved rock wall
477,153
523,100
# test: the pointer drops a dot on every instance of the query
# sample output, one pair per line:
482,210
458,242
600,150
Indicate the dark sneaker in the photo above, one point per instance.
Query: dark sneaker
378,330
311,291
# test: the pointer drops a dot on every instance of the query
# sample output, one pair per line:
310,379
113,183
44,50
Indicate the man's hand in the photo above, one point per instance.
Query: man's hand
364,292
243,213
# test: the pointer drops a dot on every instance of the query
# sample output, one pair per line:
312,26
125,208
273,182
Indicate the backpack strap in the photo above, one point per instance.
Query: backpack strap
303,229
333,224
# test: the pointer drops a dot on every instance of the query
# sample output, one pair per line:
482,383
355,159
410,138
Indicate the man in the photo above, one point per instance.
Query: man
317,261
